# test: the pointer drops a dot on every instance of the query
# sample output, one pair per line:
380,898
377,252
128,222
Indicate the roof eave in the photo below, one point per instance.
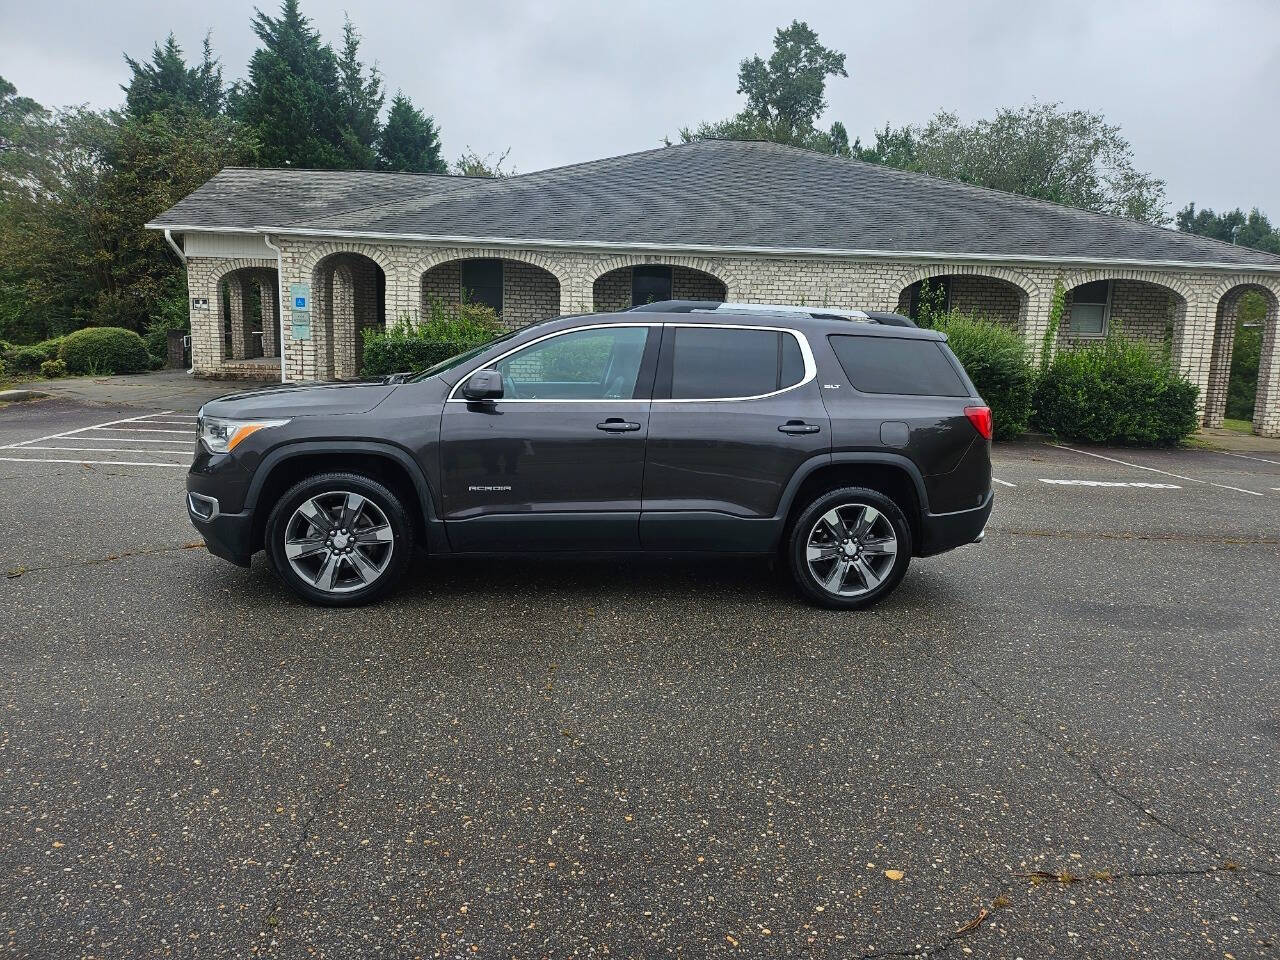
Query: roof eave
724,250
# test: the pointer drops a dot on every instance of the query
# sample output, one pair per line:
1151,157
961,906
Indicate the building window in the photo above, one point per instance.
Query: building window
649,285
1091,308
482,283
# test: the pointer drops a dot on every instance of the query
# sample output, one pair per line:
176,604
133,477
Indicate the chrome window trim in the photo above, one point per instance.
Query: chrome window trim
806,354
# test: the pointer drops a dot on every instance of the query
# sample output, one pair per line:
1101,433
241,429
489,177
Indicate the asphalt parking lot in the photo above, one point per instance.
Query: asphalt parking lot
1061,742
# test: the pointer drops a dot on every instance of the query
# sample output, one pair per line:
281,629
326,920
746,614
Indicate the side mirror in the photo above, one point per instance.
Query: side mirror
483,385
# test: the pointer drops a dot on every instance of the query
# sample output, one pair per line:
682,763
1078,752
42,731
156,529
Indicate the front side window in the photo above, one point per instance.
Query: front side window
1090,306
601,364
650,285
482,283
717,363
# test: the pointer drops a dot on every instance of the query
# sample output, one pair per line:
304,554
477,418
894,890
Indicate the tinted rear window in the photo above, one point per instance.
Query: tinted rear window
890,365
719,363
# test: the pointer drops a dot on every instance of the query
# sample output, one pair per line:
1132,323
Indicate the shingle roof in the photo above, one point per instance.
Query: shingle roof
728,195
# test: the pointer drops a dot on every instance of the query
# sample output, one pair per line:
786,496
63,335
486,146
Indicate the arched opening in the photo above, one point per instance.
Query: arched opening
989,298
644,283
348,296
248,310
1139,310
1241,393
519,292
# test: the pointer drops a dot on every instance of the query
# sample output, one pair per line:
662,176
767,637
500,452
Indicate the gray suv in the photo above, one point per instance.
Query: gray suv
845,442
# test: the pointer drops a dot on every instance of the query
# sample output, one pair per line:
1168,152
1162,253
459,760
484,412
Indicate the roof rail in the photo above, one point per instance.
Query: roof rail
775,309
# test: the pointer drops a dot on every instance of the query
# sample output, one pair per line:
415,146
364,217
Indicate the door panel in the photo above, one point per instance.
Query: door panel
715,469
558,466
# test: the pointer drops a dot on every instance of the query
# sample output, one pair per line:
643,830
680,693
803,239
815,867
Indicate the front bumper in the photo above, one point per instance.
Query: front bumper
946,531
227,535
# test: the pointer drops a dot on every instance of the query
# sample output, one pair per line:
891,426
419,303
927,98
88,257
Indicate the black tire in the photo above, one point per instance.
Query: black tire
850,504
367,543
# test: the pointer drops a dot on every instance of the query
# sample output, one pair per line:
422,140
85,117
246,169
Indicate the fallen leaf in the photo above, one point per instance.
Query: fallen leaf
732,942
15,572
894,874
975,922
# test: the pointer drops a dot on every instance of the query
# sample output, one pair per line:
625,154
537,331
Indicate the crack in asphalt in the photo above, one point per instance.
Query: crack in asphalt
20,569
279,897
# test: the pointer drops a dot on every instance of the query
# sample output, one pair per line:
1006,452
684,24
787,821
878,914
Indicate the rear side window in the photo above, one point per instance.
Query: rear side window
711,363
890,365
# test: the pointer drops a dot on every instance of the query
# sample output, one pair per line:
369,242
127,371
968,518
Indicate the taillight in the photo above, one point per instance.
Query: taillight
980,417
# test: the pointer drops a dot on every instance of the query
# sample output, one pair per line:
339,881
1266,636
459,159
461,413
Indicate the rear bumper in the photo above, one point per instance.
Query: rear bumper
227,535
946,531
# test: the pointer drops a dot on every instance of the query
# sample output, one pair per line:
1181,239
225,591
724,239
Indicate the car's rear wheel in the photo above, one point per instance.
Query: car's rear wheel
339,539
849,548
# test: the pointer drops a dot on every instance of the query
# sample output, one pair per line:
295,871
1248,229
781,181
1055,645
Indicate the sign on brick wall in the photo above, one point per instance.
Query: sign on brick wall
300,311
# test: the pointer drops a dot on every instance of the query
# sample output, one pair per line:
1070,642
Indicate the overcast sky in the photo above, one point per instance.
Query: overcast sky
1195,86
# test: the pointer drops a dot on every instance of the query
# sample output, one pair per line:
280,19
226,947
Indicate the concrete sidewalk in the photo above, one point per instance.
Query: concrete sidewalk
173,390
1219,438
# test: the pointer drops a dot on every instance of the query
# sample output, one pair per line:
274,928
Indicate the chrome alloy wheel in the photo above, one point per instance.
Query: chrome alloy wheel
851,549
339,541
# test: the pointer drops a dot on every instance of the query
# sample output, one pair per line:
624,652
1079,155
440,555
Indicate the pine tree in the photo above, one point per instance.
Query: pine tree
292,98
361,102
166,82
410,141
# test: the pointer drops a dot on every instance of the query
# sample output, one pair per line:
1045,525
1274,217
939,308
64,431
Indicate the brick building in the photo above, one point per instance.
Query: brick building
742,221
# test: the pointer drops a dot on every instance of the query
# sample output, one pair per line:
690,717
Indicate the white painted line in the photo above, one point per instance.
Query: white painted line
110,463
1245,456
1113,483
67,433
89,439
189,424
1138,466
145,430
180,453
1004,483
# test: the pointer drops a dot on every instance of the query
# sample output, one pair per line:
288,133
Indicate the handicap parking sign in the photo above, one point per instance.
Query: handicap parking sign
301,294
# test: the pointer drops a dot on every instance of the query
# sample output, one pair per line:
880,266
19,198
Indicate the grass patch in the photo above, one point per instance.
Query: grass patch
1239,426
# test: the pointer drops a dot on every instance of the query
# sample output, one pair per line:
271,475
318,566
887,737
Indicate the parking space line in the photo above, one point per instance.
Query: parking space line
124,439
180,453
1003,483
1245,456
1138,466
67,433
142,430
112,463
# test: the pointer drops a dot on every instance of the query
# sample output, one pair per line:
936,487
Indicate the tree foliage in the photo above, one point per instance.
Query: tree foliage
361,98
409,140
785,95
291,98
167,83
472,164
1234,226
1041,150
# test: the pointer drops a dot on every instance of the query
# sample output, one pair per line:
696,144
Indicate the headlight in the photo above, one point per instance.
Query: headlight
221,436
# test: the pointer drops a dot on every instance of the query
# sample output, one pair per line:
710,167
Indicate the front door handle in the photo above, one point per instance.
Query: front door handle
798,426
618,425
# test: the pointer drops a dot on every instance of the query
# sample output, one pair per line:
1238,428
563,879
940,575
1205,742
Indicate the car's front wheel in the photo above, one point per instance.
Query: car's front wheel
339,539
849,548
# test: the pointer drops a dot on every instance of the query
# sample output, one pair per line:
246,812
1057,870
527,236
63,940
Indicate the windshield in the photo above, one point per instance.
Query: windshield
459,358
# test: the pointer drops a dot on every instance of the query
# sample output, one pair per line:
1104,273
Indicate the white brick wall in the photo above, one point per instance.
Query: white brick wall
1149,302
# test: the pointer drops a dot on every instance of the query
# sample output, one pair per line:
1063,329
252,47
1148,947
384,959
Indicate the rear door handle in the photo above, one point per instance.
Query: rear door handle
798,426
617,425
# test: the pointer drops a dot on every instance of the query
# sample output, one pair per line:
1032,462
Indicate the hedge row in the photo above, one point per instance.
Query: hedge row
93,350
1112,391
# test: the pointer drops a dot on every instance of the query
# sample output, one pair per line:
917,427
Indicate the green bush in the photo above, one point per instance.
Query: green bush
28,359
446,331
1115,392
995,357
53,369
157,336
102,350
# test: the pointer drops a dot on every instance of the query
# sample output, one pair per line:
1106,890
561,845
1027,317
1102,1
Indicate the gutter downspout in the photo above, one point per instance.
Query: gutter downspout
266,238
168,236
